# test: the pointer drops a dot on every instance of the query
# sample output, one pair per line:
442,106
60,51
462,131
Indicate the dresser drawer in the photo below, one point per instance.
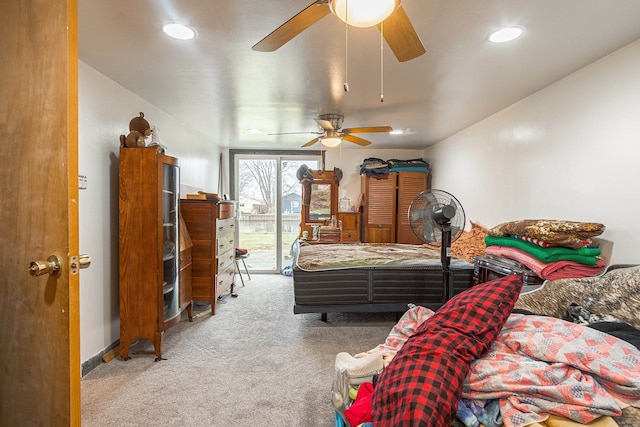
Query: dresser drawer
224,226
225,261
225,244
226,209
224,280
350,236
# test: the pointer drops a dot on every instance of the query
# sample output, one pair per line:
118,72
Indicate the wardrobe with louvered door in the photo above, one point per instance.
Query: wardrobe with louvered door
385,210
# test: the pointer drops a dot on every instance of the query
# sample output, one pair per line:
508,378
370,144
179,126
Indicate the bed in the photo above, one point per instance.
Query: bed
370,277
565,354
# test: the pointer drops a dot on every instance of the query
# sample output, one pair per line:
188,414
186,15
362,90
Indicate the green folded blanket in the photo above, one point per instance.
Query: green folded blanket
586,256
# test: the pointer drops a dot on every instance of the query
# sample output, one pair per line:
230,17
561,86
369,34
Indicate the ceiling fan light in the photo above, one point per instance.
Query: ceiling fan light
363,13
331,141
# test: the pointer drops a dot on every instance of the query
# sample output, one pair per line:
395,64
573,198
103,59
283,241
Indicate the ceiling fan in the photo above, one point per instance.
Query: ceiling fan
332,133
392,21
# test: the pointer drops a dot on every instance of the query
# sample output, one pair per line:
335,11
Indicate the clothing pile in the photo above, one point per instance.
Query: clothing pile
552,249
413,165
373,166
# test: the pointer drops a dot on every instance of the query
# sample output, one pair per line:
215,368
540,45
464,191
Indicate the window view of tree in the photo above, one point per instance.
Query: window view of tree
259,180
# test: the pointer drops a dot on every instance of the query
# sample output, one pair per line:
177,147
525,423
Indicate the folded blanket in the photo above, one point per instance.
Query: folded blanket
558,232
586,256
548,271
541,365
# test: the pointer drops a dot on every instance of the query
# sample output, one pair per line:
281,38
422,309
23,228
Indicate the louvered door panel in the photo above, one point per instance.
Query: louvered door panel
379,209
410,184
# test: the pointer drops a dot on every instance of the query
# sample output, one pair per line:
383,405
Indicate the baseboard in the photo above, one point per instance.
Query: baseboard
96,360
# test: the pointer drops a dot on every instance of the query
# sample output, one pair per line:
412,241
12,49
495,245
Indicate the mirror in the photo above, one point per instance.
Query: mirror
319,201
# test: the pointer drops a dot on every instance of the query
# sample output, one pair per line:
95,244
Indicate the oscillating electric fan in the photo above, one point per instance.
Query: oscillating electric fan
437,219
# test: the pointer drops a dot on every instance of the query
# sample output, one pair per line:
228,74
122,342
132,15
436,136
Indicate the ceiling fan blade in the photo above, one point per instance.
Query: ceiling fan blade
324,124
294,26
371,129
310,143
401,36
356,140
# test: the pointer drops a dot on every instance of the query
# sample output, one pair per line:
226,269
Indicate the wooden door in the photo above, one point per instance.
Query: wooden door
39,332
410,184
380,208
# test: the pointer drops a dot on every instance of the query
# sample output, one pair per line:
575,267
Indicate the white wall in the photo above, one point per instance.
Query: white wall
349,161
105,109
570,151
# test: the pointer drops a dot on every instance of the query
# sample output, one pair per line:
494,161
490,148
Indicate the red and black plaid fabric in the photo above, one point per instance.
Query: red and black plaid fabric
423,383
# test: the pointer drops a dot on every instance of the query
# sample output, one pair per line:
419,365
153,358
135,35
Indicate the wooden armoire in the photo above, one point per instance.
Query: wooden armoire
385,212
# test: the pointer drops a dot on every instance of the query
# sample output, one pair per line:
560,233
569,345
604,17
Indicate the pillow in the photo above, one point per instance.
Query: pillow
423,383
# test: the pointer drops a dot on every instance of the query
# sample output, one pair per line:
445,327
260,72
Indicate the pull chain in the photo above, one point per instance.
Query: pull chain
346,48
382,61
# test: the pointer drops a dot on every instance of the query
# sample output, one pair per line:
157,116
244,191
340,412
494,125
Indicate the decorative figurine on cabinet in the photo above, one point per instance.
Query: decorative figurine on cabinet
139,130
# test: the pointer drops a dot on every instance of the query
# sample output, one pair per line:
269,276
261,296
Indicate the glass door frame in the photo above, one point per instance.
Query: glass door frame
235,155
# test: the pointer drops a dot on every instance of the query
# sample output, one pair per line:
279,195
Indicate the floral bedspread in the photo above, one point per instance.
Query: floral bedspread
542,365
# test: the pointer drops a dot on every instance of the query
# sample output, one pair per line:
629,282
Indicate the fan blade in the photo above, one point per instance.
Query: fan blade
310,143
371,129
401,36
294,26
356,140
324,124
428,232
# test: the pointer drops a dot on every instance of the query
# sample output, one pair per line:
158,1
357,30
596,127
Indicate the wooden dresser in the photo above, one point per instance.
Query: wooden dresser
211,225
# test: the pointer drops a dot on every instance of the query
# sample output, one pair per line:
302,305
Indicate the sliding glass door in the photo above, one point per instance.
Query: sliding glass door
269,199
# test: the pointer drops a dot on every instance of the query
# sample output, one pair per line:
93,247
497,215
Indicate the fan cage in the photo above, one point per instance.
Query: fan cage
424,226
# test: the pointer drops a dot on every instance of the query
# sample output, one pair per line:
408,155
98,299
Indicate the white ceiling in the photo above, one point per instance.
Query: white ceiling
217,85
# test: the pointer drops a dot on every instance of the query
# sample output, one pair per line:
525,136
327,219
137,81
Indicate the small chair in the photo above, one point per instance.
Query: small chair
242,255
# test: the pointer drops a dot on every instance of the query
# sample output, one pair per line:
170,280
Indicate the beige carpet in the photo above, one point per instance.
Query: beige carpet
254,363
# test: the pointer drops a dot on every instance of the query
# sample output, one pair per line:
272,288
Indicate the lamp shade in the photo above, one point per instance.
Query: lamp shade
331,141
363,13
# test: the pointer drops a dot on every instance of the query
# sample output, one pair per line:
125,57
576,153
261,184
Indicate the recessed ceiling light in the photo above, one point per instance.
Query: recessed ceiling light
178,31
506,34
254,130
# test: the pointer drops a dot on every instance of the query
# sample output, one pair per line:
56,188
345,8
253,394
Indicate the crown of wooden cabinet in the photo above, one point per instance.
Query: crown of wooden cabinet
386,206
211,225
149,247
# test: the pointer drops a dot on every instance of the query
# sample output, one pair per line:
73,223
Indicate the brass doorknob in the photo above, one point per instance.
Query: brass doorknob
50,266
